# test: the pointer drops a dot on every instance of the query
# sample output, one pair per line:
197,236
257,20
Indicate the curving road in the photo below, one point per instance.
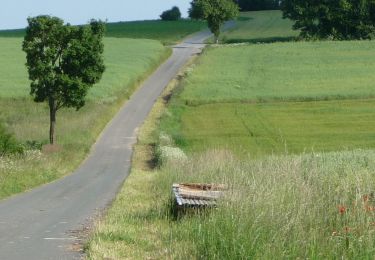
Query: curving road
38,224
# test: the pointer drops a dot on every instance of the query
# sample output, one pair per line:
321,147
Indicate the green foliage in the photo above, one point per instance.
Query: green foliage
256,5
216,12
195,11
332,19
173,14
8,143
63,62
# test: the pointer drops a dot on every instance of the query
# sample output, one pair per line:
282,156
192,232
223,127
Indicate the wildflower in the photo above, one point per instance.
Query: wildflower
342,209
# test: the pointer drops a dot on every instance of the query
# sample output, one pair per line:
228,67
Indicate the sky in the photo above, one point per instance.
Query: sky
13,13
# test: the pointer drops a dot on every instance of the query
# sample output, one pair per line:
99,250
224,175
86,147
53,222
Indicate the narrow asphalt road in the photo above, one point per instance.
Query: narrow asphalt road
38,224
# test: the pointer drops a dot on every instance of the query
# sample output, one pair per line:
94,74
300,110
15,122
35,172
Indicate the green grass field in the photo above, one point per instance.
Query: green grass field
267,128
128,61
283,71
168,32
260,26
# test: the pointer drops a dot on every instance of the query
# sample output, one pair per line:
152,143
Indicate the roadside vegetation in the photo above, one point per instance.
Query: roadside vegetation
288,127
167,32
127,61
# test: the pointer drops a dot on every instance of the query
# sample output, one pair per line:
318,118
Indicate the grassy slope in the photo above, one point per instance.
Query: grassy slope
127,61
168,32
261,26
217,106
284,71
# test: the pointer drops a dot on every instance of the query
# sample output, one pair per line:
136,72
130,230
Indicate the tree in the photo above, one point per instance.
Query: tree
173,14
195,11
63,62
332,19
216,12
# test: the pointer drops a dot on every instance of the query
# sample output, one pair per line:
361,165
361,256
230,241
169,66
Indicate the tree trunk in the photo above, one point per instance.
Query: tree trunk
52,117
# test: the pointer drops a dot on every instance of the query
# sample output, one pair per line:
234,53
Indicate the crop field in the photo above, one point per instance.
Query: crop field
266,128
277,98
283,71
260,26
128,61
168,32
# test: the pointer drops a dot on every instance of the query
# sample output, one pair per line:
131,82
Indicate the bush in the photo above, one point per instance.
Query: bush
8,143
173,14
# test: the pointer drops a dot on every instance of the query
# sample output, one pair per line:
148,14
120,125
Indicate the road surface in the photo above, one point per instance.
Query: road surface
38,224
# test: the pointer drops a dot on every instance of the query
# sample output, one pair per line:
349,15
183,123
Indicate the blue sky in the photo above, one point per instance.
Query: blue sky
13,13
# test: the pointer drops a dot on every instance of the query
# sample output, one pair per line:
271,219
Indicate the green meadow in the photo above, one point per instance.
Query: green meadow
128,62
283,71
277,98
260,26
167,32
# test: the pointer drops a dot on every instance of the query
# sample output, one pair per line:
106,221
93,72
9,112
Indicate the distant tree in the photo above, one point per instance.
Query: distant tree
216,12
195,11
63,62
332,19
173,14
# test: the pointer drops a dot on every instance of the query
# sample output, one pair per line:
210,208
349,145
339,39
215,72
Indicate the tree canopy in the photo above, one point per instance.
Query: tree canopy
256,5
173,14
216,12
332,19
63,62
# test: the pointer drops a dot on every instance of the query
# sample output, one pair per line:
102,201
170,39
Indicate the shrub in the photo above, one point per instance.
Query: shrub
8,143
173,14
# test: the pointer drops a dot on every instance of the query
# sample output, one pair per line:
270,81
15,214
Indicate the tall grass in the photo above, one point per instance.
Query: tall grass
314,206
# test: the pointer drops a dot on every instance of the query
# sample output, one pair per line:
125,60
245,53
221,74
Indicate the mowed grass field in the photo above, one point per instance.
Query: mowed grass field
260,26
127,61
167,32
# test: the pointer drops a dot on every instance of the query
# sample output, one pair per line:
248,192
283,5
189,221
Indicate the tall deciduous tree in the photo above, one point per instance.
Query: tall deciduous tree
216,12
63,62
332,19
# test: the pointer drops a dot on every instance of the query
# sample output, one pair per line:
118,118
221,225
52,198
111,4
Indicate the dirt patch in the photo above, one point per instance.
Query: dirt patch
51,148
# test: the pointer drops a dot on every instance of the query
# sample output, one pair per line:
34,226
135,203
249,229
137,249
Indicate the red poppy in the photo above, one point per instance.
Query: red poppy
342,209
